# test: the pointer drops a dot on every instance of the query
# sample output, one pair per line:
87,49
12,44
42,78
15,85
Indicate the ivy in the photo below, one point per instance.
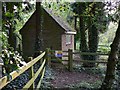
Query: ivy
13,16
11,60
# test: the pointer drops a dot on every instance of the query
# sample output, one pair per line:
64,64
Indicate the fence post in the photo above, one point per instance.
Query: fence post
32,87
48,57
70,60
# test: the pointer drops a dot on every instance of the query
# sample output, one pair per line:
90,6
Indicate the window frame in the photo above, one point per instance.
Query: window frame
68,39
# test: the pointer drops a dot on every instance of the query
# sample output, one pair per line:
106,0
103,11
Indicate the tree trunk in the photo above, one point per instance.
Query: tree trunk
75,27
93,40
111,65
12,40
118,71
83,39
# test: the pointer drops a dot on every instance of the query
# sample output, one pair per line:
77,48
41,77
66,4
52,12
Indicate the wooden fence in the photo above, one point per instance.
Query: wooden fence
44,58
70,55
30,84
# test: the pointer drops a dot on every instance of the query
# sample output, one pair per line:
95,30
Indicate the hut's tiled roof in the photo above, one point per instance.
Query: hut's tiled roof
68,29
60,21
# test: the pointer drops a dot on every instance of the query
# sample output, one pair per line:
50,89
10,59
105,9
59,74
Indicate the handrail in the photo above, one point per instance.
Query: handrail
38,86
4,80
29,83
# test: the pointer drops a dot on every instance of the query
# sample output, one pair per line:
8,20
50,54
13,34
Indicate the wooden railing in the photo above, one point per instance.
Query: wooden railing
71,53
30,84
70,59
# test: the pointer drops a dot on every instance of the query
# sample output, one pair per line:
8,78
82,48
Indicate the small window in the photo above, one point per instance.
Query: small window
68,39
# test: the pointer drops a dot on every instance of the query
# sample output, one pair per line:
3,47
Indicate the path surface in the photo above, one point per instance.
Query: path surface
63,78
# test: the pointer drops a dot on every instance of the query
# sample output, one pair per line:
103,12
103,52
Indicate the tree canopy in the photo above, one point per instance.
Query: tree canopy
89,19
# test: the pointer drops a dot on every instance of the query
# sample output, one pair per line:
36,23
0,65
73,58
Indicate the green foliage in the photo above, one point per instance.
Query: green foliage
104,49
3,38
11,60
61,9
86,85
113,10
93,10
76,8
107,37
14,15
13,18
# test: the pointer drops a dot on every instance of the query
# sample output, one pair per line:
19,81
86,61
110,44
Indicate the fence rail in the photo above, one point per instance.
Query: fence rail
90,53
4,80
44,58
93,54
70,60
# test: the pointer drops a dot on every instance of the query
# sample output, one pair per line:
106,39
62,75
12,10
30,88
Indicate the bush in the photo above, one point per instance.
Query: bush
11,60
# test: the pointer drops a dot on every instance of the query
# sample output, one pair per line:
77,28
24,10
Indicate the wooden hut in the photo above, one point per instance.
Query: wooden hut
56,33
